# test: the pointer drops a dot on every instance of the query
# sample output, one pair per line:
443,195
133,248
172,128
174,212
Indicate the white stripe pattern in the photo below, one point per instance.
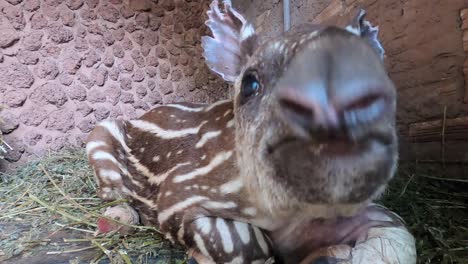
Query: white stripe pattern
243,231
148,202
165,214
103,155
157,179
110,175
186,108
165,133
219,205
215,162
204,225
114,130
225,234
261,240
207,136
210,107
94,144
201,245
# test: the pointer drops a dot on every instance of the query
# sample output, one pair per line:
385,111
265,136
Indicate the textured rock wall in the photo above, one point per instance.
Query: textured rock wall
66,65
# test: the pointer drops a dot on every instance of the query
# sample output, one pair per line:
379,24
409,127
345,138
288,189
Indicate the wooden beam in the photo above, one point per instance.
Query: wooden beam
331,11
465,100
455,129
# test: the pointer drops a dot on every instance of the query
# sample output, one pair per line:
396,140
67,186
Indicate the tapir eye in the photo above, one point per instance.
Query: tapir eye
250,86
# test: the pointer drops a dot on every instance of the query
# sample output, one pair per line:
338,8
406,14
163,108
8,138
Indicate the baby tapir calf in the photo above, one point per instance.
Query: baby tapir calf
285,171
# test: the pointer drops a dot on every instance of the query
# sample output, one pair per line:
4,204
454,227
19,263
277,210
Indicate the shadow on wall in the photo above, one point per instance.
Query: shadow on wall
66,65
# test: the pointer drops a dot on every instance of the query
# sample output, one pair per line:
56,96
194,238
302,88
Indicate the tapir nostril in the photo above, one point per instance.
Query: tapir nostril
363,102
308,112
297,108
364,110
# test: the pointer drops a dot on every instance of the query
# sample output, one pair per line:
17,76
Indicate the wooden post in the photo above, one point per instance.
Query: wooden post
464,27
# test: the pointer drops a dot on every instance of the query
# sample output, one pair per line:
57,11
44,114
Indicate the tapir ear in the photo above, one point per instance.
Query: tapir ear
363,28
233,41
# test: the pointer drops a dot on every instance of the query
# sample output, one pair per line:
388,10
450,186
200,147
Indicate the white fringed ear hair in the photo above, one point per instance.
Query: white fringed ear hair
232,43
363,28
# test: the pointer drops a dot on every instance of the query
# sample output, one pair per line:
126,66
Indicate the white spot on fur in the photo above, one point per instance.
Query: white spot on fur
232,186
205,187
142,150
167,193
110,175
227,112
230,123
203,157
162,133
165,214
277,45
169,154
188,187
180,152
93,145
156,158
252,211
204,225
243,231
207,136
172,116
215,162
225,234
213,190
218,118
261,240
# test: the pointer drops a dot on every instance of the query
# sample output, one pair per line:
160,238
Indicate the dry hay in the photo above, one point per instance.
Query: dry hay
58,193
49,207
435,208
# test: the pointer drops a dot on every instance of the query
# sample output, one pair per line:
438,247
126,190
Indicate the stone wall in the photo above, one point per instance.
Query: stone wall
66,65
424,56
